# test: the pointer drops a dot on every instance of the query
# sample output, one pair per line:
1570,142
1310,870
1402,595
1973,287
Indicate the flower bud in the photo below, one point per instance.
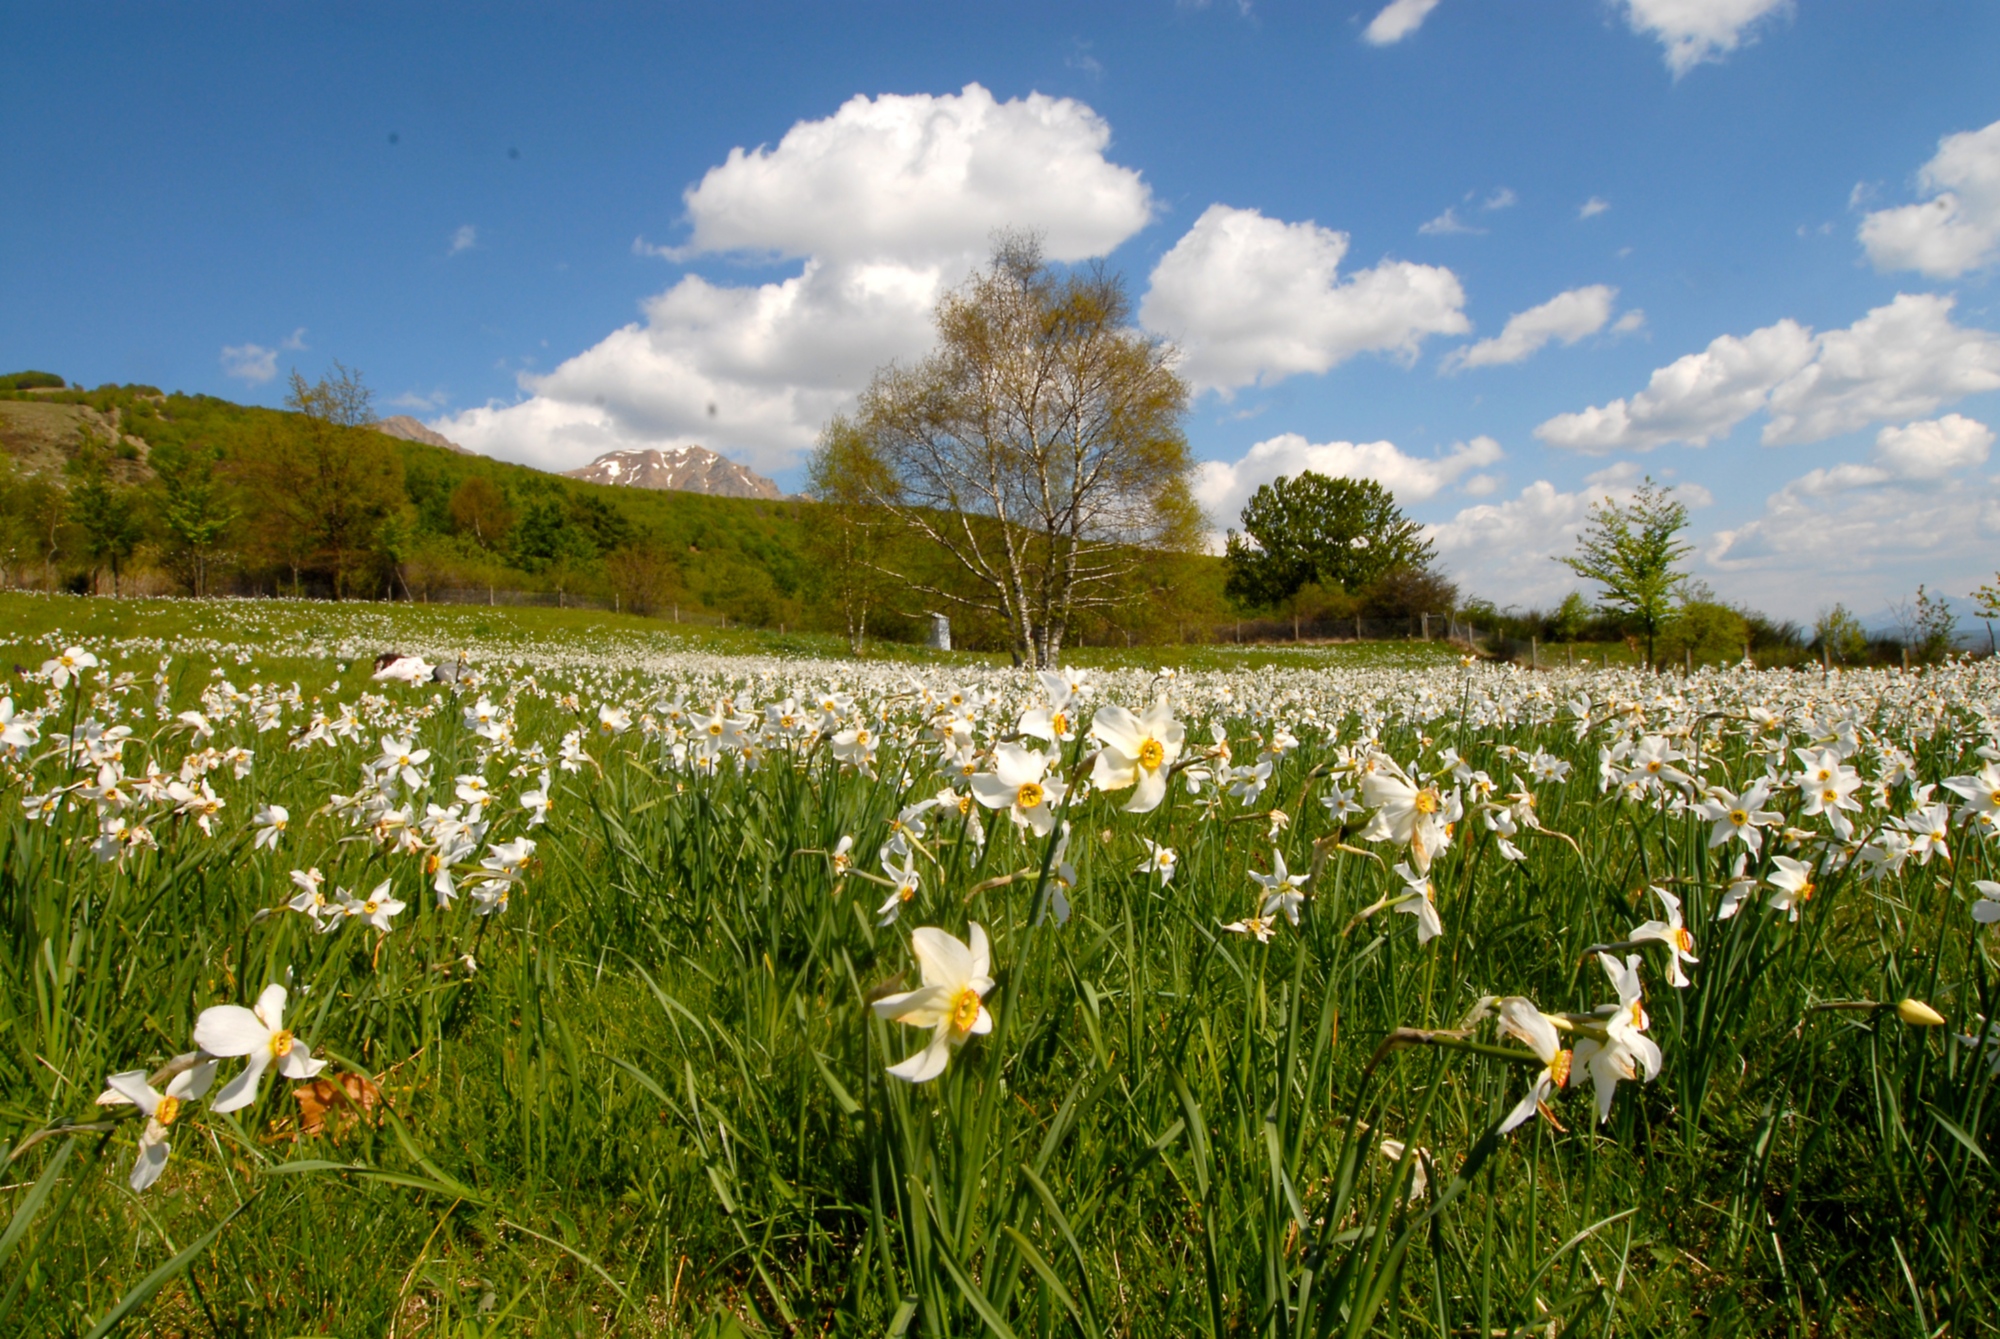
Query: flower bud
1918,1014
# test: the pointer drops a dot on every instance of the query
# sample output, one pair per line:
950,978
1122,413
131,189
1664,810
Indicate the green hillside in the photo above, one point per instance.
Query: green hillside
445,523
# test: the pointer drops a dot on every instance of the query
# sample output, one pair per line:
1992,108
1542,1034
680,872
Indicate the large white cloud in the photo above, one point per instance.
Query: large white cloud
924,178
1222,487
1694,31
890,201
1506,550
1919,453
1916,504
1568,316
1397,20
1958,228
1252,300
1900,360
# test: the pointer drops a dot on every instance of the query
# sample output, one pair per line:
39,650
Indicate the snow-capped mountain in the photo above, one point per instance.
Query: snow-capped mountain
691,469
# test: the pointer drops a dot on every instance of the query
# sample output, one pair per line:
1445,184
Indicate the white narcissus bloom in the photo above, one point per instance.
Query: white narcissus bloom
1671,933
161,1111
1987,909
1520,1019
271,822
1626,1051
907,879
1794,882
1259,926
613,720
376,908
259,1035
1160,860
1420,1181
1407,814
1137,752
956,978
401,758
1281,889
69,665
1018,783
1981,792
1420,901
1738,816
1054,722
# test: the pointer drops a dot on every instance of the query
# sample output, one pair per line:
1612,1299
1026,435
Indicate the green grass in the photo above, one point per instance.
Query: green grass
659,1105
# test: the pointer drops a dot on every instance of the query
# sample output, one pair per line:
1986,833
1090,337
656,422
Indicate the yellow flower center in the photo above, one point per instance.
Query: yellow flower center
1151,754
1739,817
1429,802
1559,1068
964,805
861,736
281,1044
715,727
1806,890
1060,722
1029,796
370,907
964,1010
1683,940
1653,768
168,1110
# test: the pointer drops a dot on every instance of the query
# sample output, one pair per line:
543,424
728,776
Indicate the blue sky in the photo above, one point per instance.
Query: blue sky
1745,245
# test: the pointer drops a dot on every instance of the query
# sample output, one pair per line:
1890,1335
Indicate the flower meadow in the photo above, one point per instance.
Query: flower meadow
584,985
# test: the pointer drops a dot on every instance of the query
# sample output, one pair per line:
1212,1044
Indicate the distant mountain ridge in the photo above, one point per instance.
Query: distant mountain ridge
689,469
407,428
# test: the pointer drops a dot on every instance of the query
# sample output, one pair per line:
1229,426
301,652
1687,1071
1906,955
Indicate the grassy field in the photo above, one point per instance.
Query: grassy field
620,1062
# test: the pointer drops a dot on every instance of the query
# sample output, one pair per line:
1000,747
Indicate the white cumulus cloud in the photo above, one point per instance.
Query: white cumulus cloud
889,202
1223,487
1900,360
1913,505
923,178
1917,453
1397,20
464,239
1568,316
1506,550
1693,31
1253,300
250,362
1958,228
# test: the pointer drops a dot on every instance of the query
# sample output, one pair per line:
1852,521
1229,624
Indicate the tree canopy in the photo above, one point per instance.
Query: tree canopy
1039,445
1311,529
1632,550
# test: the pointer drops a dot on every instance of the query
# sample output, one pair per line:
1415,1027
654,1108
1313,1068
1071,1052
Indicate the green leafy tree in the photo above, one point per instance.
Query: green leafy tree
195,512
480,510
846,533
105,513
1313,530
1039,447
1838,635
324,483
1632,550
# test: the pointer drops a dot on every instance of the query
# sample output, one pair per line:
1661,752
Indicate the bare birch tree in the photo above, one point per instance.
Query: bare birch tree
1039,446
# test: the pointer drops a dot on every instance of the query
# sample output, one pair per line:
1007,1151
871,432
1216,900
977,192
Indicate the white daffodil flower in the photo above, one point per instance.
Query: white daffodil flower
1742,817
1160,860
1281,889
1625,1052
161,1110
1672,933
1794,882
956,978
1406,814
1420,900
260,1036
1137,752
1520,1019
1018,783
271,822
